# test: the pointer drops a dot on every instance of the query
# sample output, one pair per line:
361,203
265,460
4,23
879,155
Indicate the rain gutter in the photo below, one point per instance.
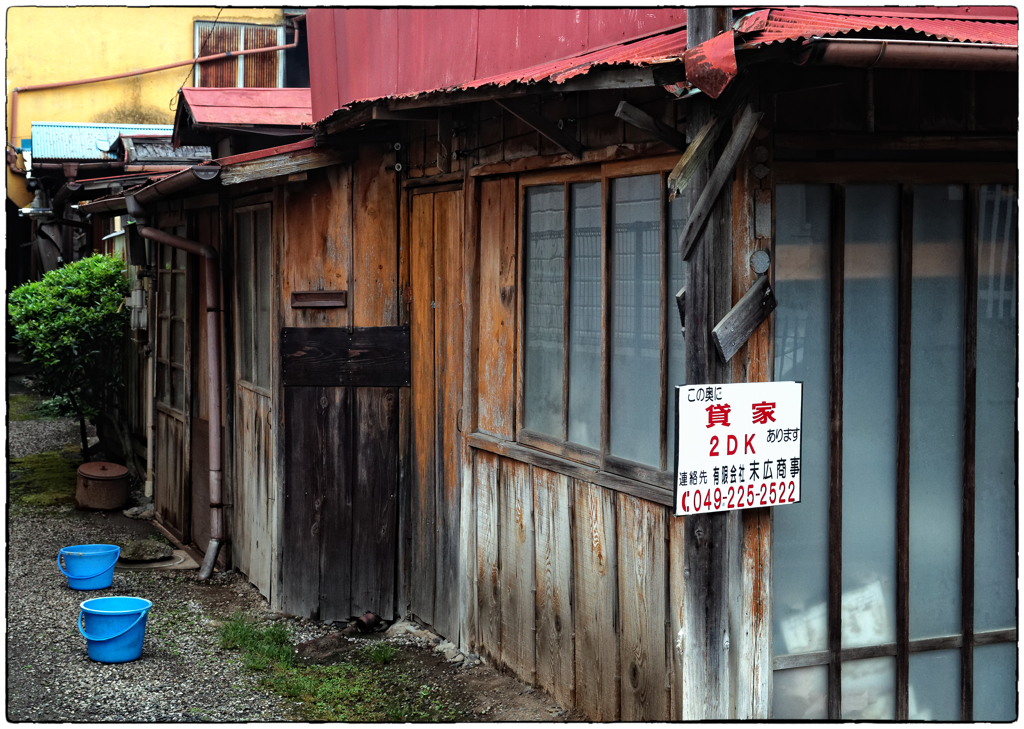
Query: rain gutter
12,154
170,185
868,53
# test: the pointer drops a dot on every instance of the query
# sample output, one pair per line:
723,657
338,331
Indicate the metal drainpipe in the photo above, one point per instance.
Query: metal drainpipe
211,261
12,154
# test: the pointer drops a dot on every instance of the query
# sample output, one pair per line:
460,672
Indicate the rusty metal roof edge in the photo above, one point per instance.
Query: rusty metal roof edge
525,76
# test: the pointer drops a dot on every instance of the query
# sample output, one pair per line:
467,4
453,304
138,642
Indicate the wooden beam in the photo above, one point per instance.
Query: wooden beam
261,169
681,305
531,116
710,541
444,140
696,152
698,217
838,140
382,113
736,327
642,120
613,78
704,141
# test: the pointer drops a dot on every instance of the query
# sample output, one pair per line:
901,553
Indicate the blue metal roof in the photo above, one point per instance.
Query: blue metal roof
63,140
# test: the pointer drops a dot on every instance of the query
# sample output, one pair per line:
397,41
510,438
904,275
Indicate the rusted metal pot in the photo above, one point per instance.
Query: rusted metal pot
101,486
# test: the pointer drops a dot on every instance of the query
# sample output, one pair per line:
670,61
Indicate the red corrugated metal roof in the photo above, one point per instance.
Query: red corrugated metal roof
661,48
764,26
778,25
288,107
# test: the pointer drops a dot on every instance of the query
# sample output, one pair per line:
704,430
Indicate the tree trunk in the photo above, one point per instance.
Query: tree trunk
81,427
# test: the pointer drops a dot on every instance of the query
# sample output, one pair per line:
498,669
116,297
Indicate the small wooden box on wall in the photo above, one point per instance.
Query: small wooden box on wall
319,299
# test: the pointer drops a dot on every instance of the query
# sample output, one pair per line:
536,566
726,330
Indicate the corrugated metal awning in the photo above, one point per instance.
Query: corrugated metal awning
72,141
777,25
235,106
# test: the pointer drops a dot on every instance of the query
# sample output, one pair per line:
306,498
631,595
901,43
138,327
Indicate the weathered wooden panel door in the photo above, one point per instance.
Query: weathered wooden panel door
437,347
173,399
340,534
253,494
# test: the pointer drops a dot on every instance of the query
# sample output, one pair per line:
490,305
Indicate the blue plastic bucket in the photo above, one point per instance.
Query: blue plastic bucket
114,627
89,566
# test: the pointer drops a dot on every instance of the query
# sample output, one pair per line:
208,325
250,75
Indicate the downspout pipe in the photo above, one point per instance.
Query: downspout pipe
211,261
12,154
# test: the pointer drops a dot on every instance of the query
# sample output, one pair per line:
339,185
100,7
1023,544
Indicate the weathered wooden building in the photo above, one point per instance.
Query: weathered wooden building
451,334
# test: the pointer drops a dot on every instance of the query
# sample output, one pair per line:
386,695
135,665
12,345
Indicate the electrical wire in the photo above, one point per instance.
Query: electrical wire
192,68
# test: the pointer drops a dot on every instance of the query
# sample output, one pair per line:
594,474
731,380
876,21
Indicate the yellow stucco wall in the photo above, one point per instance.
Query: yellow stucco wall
49,44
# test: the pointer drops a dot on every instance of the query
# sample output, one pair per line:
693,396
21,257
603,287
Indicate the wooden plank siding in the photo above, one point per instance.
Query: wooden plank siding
497,307
422,574
488,596
255,499
516,552
555,651
640,540
317,246
448,253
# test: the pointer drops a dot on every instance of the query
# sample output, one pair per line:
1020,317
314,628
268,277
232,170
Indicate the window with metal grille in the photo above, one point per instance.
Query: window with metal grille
601,347
256,70
894,580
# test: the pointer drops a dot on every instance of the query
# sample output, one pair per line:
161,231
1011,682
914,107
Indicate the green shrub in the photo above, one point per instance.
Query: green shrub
70,328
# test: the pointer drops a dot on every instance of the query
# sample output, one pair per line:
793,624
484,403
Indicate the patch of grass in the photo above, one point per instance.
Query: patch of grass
370,687
262,648
43,479
381,653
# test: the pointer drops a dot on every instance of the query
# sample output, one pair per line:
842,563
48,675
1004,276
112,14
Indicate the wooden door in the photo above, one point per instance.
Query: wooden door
437,341
253,535
173,395
340,533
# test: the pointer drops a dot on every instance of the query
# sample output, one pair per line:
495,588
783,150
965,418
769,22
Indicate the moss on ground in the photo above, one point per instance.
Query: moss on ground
22,407
45,479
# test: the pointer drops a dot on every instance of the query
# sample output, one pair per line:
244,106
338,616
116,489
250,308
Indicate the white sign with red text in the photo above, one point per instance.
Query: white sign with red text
738,446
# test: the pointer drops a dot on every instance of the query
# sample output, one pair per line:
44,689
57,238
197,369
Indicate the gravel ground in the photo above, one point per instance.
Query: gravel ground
182,675
25,437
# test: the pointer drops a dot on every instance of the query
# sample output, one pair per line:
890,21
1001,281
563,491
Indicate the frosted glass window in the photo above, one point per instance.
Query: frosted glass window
934,686
869,415
677,212
995,546
545,309
936,410
869,689
995,682
800,553
244,278
636,319
800,693
585,316
262,255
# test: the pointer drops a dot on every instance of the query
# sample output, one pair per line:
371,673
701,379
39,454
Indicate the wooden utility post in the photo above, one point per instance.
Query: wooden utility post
712,542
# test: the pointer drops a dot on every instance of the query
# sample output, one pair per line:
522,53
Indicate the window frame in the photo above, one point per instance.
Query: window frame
972,176
168,317
198,40
250,250
650,481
